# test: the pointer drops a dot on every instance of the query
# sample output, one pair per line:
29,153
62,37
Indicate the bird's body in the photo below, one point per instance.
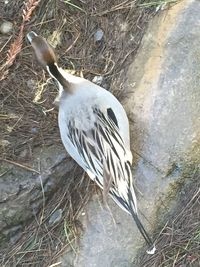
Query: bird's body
81,114
94,129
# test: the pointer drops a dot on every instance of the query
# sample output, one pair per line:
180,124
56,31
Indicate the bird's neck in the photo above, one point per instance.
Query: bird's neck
54,71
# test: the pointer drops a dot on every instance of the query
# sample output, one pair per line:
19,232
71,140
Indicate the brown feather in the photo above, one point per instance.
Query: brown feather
47,58
43,51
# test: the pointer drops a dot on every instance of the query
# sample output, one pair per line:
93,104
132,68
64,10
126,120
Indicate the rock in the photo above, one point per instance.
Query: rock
56,217
20,190
14,233
163,100
98,36
107,240
98,80
6,27
16,236
34,130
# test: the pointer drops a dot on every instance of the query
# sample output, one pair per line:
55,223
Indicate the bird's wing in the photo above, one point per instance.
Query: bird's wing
105,156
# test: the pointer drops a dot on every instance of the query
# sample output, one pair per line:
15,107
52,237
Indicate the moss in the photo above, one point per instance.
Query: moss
176,188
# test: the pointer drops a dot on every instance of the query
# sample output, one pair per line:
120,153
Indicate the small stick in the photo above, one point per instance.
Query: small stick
20,165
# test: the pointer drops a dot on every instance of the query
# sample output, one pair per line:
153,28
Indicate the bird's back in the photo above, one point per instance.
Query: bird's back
87,96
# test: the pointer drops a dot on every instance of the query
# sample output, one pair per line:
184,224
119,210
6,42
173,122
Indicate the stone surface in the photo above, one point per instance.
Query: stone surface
6,27
21,190
107,240
56,217
98,35
163,103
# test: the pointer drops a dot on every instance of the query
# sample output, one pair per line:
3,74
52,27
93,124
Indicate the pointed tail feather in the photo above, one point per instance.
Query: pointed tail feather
142,230
140,226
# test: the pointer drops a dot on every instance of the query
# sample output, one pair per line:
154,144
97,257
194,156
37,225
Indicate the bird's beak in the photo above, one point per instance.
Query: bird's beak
30,36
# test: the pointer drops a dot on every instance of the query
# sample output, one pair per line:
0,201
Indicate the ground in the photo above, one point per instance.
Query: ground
179,240
96,39
28,116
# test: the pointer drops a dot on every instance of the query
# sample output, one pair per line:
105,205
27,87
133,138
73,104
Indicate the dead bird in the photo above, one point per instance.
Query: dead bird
94,129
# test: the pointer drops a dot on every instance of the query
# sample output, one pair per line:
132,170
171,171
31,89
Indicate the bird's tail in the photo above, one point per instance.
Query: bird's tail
140,226
151,249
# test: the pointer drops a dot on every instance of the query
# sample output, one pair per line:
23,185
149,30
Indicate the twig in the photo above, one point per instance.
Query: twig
20,165
55,264
16,46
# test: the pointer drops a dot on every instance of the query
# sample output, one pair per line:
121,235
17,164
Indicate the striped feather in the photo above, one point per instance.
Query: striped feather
102,150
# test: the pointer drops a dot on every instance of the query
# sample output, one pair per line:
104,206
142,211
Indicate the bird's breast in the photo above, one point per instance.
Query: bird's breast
77,111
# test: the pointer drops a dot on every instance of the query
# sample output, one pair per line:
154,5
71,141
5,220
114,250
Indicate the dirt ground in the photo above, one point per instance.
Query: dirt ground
96,39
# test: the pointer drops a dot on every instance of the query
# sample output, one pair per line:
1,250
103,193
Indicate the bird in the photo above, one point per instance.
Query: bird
94,130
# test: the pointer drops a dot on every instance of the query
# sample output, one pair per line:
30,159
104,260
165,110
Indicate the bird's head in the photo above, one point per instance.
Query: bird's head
43,51
47,59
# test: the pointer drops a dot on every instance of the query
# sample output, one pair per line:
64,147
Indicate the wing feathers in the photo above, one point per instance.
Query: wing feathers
103,152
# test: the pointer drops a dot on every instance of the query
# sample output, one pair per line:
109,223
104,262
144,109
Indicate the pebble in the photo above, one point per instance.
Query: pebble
14,232
6,27
98,35
55,217
34,130
16,237
98,80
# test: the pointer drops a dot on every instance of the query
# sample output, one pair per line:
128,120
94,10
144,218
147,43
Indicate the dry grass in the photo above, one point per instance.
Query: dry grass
16,46
178,244
42,243
27,115
28,118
